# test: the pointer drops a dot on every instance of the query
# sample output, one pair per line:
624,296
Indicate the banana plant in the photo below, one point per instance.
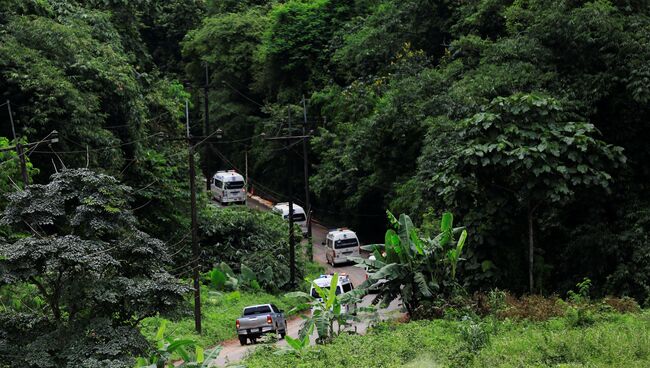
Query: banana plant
297,346
326,310
410,267
167,347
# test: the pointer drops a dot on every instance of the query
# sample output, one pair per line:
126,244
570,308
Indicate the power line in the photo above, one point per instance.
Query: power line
242,94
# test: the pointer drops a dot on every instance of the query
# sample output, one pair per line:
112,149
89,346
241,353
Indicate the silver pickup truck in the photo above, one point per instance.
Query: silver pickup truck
258,320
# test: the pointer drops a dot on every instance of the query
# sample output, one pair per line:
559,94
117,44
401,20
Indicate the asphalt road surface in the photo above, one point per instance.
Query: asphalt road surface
233,352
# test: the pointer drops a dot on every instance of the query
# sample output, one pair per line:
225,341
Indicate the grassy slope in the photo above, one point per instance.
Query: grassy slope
219,315
220,310
612,341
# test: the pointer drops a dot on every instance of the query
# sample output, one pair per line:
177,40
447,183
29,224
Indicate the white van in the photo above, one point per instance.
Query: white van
228,187
343,286
299,216
341,244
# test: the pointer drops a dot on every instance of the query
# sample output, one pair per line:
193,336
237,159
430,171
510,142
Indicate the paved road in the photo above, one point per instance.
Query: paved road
233,352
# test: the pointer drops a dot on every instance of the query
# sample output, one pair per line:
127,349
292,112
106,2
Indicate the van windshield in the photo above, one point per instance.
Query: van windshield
346,243
234,184
314,293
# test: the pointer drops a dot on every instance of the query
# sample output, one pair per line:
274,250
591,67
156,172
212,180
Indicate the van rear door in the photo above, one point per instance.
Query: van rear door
346,248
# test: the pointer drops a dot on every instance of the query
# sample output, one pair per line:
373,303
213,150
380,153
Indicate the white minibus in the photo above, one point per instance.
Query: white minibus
299,216
228,187
340,244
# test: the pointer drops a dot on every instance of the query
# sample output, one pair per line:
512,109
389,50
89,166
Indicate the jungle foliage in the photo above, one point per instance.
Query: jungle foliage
526,119
88,273
249,243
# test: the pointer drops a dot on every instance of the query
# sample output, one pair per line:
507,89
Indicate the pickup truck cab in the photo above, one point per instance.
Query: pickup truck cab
257,320
340,244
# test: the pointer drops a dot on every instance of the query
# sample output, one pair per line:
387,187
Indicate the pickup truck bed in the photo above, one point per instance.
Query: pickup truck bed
258,320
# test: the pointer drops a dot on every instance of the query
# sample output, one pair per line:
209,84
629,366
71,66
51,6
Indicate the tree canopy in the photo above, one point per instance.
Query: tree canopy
526,119
93,269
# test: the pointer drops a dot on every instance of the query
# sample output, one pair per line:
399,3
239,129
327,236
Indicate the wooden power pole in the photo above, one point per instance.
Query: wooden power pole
292,246
196,252
305,160
19,149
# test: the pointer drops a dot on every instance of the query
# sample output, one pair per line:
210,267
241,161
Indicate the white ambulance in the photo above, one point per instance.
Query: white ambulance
340,244
228,187
343,285
299,216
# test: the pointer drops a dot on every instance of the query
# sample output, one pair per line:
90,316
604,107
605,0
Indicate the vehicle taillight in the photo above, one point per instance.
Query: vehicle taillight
366,276
237,324
334,254
269,320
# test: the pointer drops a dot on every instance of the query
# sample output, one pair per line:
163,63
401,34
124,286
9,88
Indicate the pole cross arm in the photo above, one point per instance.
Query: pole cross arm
290,137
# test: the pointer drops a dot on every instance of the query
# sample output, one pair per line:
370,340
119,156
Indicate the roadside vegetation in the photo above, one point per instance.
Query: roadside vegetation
522,122
220,310
611,340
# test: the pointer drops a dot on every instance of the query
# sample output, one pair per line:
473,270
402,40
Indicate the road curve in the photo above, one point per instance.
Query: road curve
233,352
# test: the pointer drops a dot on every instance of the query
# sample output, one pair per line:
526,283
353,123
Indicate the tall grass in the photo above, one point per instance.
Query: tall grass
612,340
219,311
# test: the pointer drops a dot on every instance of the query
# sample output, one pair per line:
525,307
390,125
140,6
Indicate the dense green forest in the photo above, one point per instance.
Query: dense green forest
526,119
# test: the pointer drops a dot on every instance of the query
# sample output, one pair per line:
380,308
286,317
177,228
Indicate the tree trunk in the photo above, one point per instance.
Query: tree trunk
531,248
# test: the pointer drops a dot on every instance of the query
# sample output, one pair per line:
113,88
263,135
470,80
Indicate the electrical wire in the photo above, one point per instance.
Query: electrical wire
32,148
102,148
242,94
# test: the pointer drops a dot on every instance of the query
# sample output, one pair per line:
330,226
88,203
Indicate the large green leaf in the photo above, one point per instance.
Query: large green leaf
373,247
247,274
363,262
217,278
461,242
446,222
415,240
298,294
198,352
421,281
226,269
296,344
331,299
390,272
406,225
212,354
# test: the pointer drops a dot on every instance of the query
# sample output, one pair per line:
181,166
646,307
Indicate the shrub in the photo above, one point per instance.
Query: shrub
411,267
532,307
580,316
622,305
240,236
474,335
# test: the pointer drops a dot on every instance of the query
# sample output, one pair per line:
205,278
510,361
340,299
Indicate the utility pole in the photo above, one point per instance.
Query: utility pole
246,166
206,122
292,245
195,245
305,160
19,149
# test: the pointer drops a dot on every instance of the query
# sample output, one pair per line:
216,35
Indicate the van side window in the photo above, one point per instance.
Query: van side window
218,183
